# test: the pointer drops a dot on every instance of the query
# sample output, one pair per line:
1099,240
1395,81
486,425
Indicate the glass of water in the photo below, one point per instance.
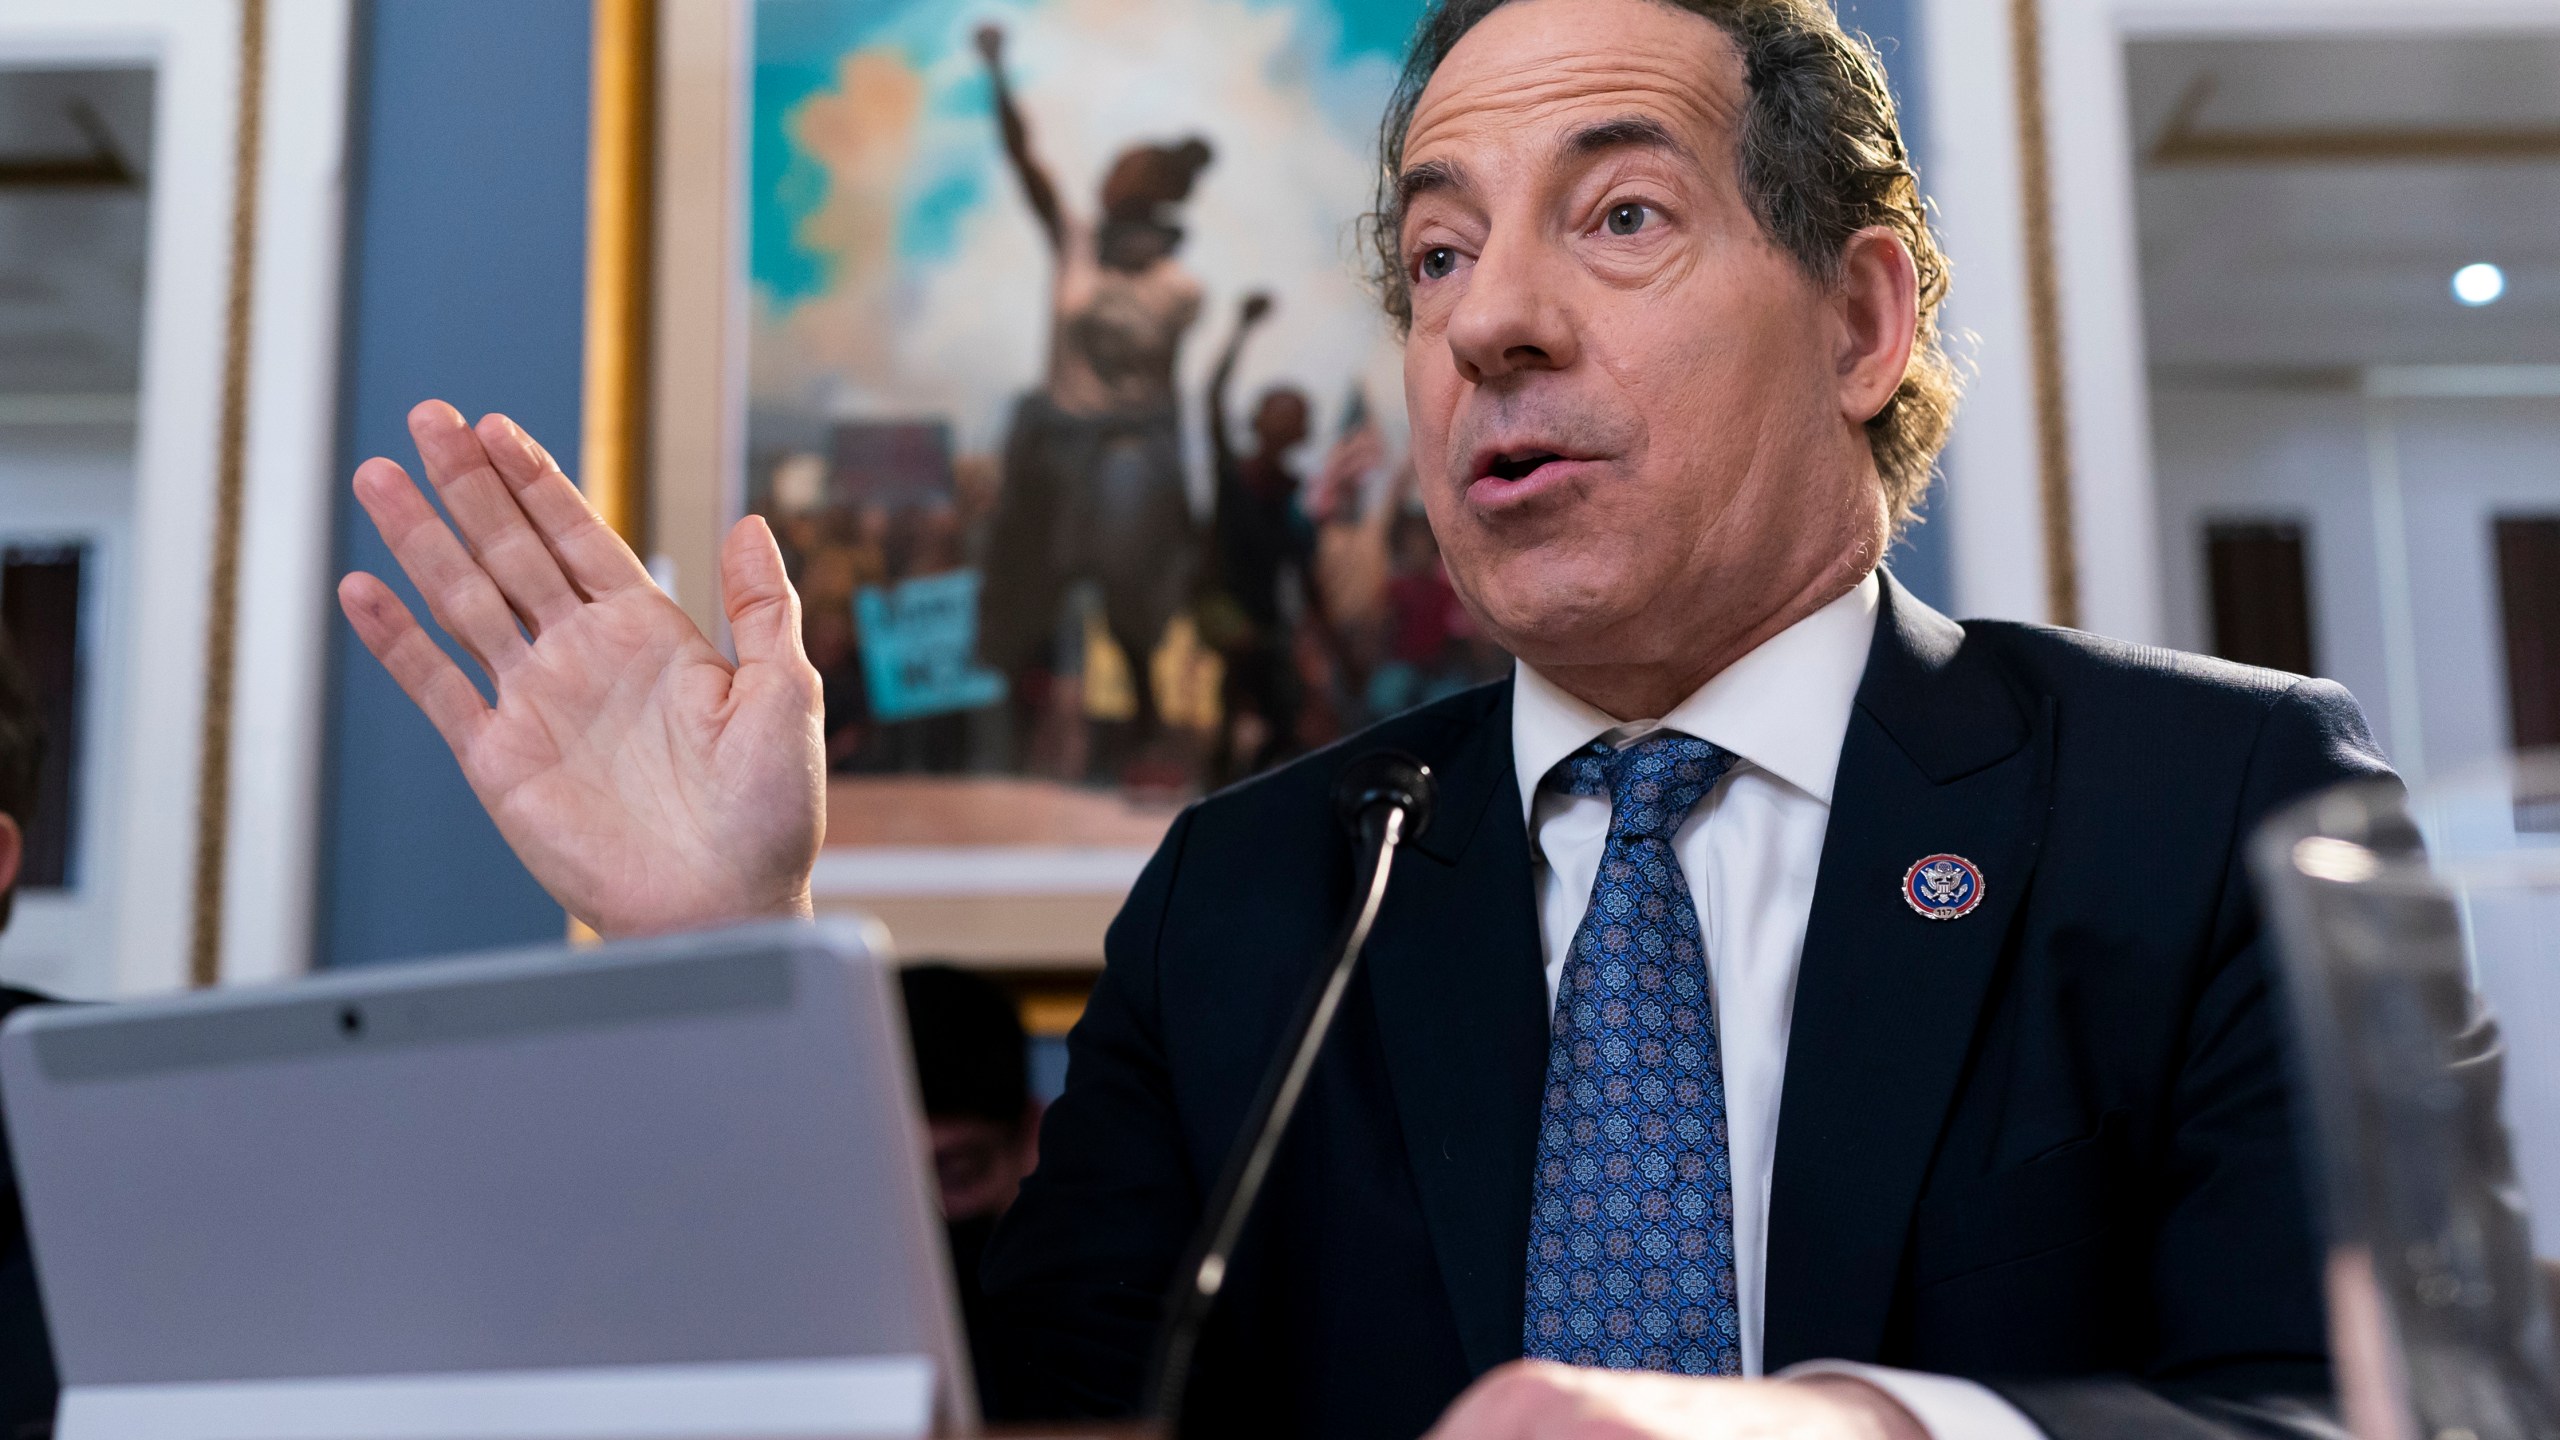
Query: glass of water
2418,941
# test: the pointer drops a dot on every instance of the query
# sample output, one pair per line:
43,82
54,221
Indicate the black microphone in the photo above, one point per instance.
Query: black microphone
1384,800
1380,782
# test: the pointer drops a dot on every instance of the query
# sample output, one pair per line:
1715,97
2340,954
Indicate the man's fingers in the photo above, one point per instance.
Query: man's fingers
458,592
764,613
1524,1400
595,557
425,673
484,508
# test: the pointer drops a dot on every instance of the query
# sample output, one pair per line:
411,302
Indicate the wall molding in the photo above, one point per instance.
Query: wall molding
222,600
2044,316
621,167
289,489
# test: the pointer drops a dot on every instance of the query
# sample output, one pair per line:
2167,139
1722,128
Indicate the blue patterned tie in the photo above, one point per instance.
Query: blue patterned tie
1631,1221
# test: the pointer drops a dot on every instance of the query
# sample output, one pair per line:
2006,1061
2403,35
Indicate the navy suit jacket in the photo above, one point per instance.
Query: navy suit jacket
2048,1145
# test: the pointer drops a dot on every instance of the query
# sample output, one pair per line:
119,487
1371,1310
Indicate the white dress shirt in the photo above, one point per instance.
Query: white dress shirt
1750,852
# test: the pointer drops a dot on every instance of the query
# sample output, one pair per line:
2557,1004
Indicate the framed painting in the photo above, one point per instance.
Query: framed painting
1069,398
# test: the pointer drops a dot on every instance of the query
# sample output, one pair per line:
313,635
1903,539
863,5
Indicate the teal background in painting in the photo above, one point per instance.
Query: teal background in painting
799,42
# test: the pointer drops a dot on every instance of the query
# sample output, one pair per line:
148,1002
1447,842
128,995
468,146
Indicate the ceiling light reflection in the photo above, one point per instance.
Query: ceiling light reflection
2477,285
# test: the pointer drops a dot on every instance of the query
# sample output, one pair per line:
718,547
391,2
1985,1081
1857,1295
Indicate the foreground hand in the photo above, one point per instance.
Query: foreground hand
1537,1400
646,782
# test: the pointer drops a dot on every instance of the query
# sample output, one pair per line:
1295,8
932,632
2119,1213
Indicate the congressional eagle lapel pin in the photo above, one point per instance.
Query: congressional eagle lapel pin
1942,887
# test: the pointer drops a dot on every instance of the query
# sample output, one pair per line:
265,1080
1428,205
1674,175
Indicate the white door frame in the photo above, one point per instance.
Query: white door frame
288,544
1994,512
156,738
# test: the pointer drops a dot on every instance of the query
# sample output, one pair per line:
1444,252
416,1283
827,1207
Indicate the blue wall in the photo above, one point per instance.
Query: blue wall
466,272
1921,561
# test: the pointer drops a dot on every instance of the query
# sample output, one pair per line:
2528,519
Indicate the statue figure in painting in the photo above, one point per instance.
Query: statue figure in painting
1093,479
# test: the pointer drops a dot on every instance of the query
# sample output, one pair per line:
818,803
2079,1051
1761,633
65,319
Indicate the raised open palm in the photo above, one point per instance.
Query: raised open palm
648,783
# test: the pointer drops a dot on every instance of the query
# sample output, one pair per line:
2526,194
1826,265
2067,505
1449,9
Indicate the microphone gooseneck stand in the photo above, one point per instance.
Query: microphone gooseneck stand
1385,800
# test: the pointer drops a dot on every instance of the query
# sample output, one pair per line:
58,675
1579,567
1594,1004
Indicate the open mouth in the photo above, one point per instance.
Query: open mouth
1520,465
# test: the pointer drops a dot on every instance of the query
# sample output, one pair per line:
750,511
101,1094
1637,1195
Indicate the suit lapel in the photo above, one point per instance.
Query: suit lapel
1942,755
1460,993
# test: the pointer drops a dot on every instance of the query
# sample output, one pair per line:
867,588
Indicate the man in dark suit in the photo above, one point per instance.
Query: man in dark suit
28,1385
1854,1017
2044,1144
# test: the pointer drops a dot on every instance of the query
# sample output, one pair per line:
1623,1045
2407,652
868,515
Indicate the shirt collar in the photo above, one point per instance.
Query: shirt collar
1784,707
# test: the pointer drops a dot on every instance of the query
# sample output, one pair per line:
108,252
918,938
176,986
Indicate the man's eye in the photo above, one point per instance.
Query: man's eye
1629,218
1436,262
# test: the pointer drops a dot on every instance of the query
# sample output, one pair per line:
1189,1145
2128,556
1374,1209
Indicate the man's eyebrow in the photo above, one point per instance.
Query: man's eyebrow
1638,131
1427,178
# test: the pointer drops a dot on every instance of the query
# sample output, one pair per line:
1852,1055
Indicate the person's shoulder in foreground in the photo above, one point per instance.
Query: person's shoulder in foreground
2079,1087
28,1384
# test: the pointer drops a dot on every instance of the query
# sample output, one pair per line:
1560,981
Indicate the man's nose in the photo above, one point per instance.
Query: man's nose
1512,316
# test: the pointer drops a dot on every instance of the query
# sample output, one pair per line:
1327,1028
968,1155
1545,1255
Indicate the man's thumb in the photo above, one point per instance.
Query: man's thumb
764,613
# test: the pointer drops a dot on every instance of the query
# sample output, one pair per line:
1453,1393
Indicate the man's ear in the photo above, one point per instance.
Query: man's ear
1878,302
13,848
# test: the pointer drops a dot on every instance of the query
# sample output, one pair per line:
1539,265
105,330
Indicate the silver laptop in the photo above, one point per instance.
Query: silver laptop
666,1190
